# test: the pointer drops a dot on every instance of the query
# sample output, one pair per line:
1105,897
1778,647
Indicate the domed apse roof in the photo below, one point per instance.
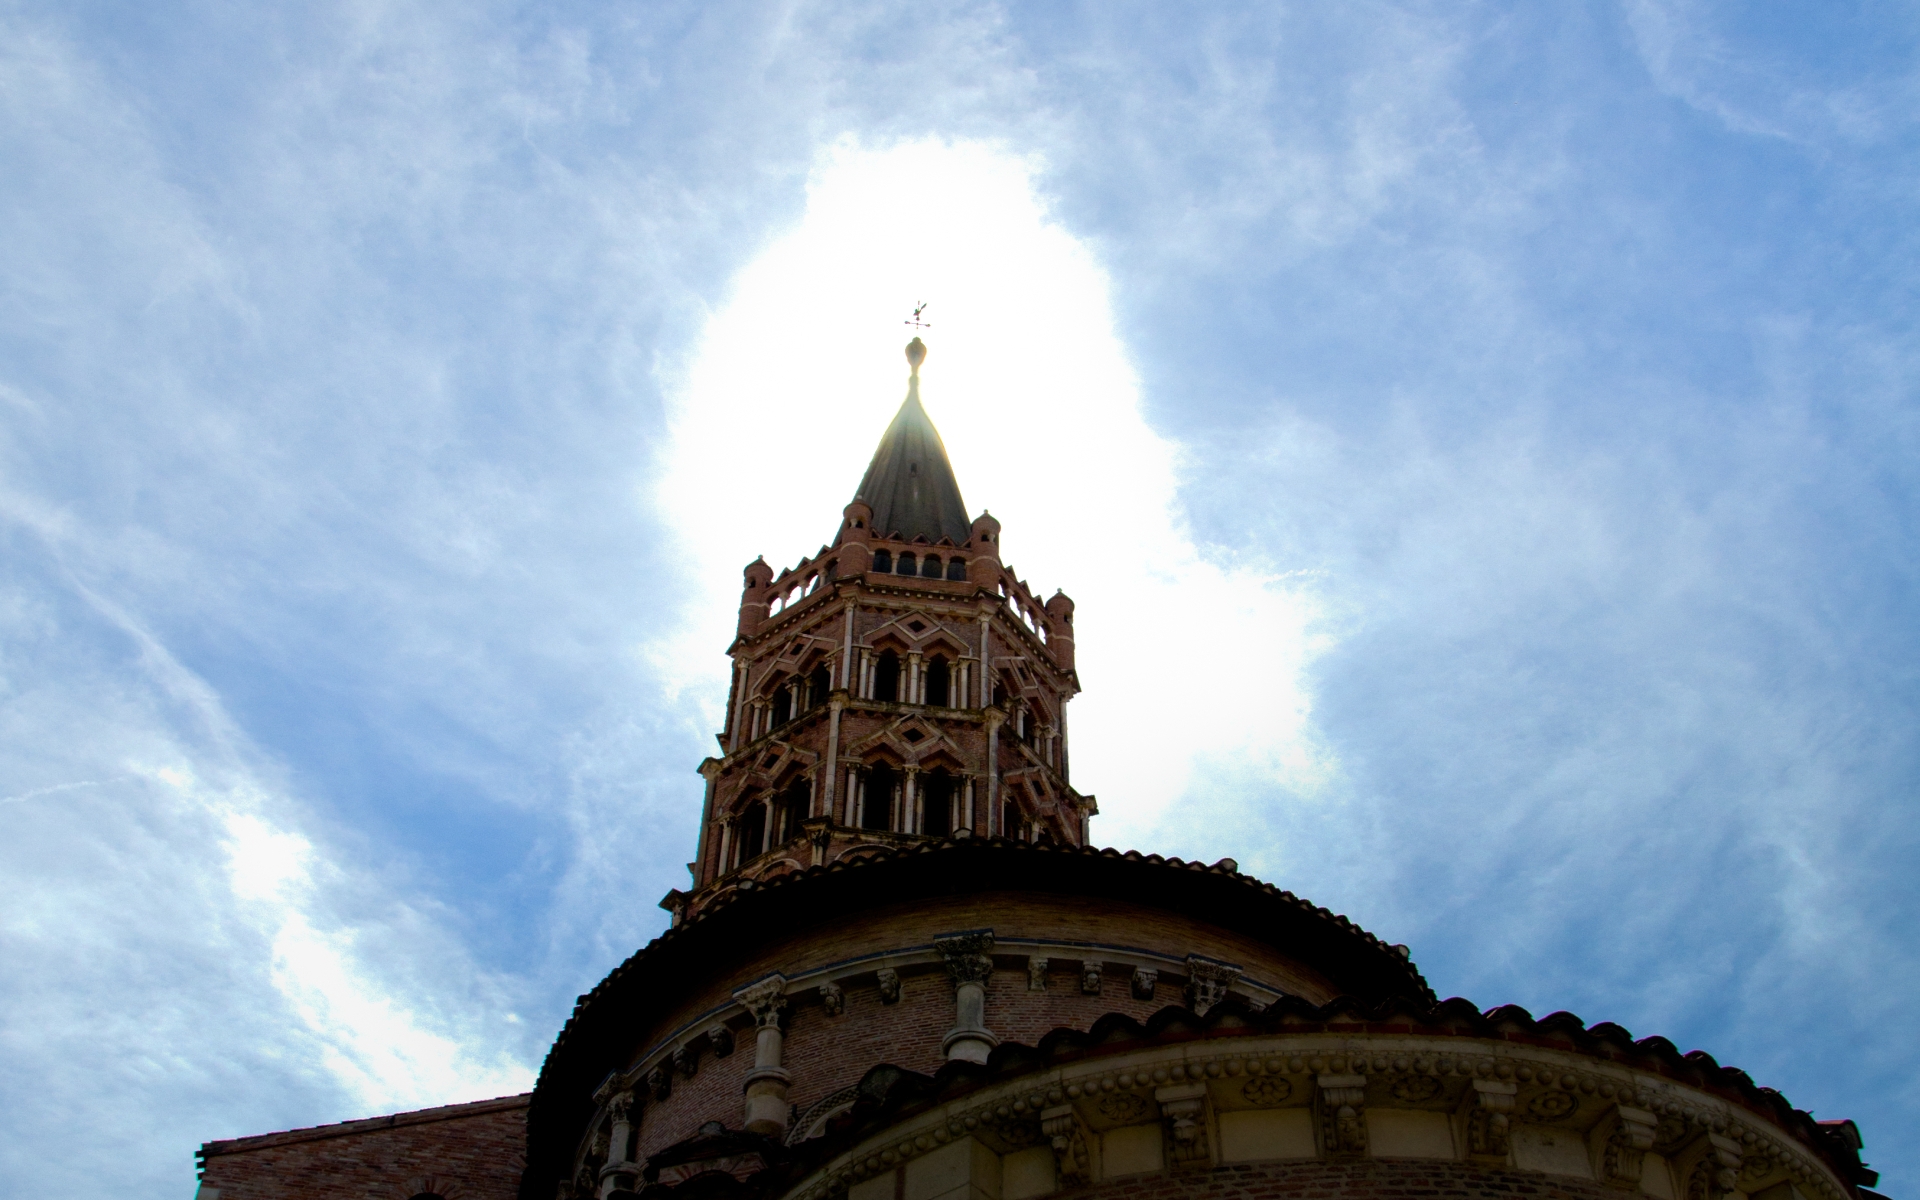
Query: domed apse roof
600,1033
910,484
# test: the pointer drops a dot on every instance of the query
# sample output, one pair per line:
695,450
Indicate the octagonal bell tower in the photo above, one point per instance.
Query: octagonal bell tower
900,684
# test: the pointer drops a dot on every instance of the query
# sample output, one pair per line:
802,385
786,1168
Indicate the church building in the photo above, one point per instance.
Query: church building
902,970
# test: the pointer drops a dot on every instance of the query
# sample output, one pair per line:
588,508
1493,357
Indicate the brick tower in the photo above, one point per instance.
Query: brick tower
902,973
900,684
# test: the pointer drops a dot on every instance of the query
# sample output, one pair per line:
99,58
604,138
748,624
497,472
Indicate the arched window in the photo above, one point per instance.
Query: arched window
876,800
883,562
957,570
936,796
930,567
938,676
818,685
906,563
886,676
753,833
782,705
794,804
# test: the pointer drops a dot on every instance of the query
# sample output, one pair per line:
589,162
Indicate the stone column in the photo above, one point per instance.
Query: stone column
767,1109
915,680
835,702
969,959
910,799
845,666
619,1167
739,708
994,822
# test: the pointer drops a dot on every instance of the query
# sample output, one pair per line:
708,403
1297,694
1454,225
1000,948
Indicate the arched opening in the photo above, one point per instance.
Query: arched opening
886,676
930,568
782,706
906,563
883,561
957,570
818,685
753,833
876,799
793,805
939,676
937,803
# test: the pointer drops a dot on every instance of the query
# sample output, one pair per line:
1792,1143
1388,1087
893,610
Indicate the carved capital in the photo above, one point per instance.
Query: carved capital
1072,1159
620,1108
1207,982
1490,1121
1144,980
1183,1109
1624,1158
766,1001
1341,1100
888,980
833,1000
969,955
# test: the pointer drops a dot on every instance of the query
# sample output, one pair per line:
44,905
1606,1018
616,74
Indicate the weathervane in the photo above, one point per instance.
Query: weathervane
915,320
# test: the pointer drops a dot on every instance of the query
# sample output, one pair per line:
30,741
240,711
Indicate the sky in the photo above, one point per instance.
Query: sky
1481,440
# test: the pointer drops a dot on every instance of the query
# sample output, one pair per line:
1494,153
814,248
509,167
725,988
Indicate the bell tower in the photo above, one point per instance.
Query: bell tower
901,684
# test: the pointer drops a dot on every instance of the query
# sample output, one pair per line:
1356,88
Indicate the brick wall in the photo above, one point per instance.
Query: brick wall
825,1054
462,1152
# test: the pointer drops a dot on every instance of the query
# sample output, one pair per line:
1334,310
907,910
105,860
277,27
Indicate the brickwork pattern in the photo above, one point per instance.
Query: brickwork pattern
1009,915
462,1152
825,1054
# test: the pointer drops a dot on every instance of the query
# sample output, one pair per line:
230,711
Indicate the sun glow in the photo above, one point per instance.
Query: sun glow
800,369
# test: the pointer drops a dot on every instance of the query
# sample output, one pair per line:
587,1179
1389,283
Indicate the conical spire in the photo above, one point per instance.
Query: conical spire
910,484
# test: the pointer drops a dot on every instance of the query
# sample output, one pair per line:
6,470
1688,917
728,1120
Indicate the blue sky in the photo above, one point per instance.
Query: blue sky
1481,439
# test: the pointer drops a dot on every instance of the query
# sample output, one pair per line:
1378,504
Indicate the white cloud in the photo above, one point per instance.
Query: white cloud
1182,654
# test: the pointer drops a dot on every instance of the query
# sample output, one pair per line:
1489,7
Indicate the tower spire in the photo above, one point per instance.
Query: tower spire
909,484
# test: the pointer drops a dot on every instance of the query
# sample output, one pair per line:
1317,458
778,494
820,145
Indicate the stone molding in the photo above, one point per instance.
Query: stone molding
1056,1097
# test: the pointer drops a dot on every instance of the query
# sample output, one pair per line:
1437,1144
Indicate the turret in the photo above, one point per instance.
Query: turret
1060,629
856,527
983,545
754,602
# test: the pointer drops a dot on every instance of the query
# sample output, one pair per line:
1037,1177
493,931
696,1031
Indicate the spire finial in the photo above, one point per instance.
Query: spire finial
916,352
